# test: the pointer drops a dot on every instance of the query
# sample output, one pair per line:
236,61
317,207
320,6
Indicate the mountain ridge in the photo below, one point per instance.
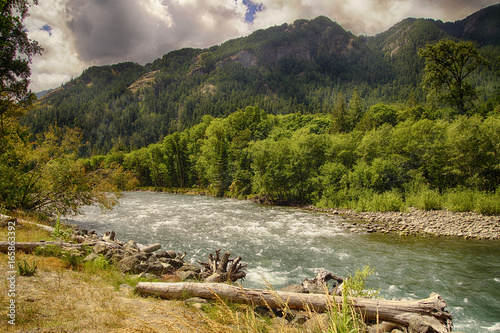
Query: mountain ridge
301,66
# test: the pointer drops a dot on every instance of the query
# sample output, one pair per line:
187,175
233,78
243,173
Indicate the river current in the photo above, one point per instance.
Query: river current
284,245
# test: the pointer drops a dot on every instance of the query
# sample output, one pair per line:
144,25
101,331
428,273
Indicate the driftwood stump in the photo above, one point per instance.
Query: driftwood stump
216,270
319,284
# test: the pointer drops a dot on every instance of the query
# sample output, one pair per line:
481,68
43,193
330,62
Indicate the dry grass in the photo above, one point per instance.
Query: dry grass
60,300
26,233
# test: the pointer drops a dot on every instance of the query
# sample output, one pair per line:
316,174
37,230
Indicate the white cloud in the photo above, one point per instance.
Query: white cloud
366,17
99,32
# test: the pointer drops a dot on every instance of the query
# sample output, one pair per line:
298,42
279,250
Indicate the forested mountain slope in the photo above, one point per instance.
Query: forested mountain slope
304,66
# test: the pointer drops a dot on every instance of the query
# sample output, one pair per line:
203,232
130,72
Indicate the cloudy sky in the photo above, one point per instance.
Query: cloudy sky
77,34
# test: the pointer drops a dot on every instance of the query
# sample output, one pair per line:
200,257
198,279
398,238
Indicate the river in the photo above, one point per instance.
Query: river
284,245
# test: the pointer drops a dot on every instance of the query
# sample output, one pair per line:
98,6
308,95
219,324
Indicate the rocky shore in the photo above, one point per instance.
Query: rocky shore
423,223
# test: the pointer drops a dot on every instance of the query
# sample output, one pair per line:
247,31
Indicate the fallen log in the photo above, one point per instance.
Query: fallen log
42,226
29,247
431,309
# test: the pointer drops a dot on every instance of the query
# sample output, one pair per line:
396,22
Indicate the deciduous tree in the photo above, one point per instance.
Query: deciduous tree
448,64
16,52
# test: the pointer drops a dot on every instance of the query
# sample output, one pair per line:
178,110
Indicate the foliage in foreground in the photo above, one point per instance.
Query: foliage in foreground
25,269
47,176
340,319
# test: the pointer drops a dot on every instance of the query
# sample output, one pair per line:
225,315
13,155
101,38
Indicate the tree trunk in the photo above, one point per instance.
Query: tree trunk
432,309
29,247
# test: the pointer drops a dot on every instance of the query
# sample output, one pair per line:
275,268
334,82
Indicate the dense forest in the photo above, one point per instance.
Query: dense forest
300,67
404,160
303,114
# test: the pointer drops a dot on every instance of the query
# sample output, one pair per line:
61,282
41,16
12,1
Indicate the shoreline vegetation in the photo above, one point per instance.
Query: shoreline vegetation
448,163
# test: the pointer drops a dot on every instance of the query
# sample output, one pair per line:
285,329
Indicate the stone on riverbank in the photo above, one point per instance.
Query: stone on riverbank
425,223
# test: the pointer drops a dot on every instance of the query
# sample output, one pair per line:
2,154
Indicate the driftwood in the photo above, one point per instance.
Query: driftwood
42,226
217,270
29,247
319,284
431,309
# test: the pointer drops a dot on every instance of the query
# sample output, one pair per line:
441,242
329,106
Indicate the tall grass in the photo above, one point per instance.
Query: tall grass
341,317
487,203
424,198
418,195
460,200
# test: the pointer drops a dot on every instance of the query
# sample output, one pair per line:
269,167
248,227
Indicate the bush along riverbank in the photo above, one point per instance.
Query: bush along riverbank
344,306
423,223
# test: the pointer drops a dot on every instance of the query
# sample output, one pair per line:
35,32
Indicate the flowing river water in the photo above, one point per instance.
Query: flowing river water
284,245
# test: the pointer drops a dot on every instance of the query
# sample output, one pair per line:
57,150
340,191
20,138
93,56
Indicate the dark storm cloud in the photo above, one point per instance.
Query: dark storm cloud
106,30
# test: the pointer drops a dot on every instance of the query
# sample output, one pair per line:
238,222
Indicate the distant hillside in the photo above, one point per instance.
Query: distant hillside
283,69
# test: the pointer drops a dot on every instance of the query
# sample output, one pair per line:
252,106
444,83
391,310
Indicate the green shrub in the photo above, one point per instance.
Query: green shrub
71,259
460,200
345,319
49,251
99,263
355,286
24,269
391,201
425,199
59,232
487,203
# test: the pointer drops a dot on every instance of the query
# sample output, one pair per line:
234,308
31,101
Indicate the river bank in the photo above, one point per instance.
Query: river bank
434,223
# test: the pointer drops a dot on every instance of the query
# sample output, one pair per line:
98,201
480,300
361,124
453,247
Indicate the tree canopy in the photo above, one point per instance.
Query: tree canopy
16,52
448,64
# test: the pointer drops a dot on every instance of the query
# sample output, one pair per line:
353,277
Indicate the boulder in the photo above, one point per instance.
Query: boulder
419,325
131,245
90,257
167,268
317,323
299,319
188,275
115,255
6,221
155,268
100,248
176,263
170,254
130,265
189,267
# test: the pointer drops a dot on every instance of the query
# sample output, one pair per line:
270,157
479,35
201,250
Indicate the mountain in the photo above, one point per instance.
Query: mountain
283,69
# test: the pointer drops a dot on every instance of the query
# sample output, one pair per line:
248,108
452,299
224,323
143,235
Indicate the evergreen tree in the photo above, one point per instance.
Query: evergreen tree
340,121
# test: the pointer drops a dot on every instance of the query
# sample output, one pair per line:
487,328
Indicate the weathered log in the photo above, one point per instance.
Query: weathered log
216,269
43,226
432,309
29,247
